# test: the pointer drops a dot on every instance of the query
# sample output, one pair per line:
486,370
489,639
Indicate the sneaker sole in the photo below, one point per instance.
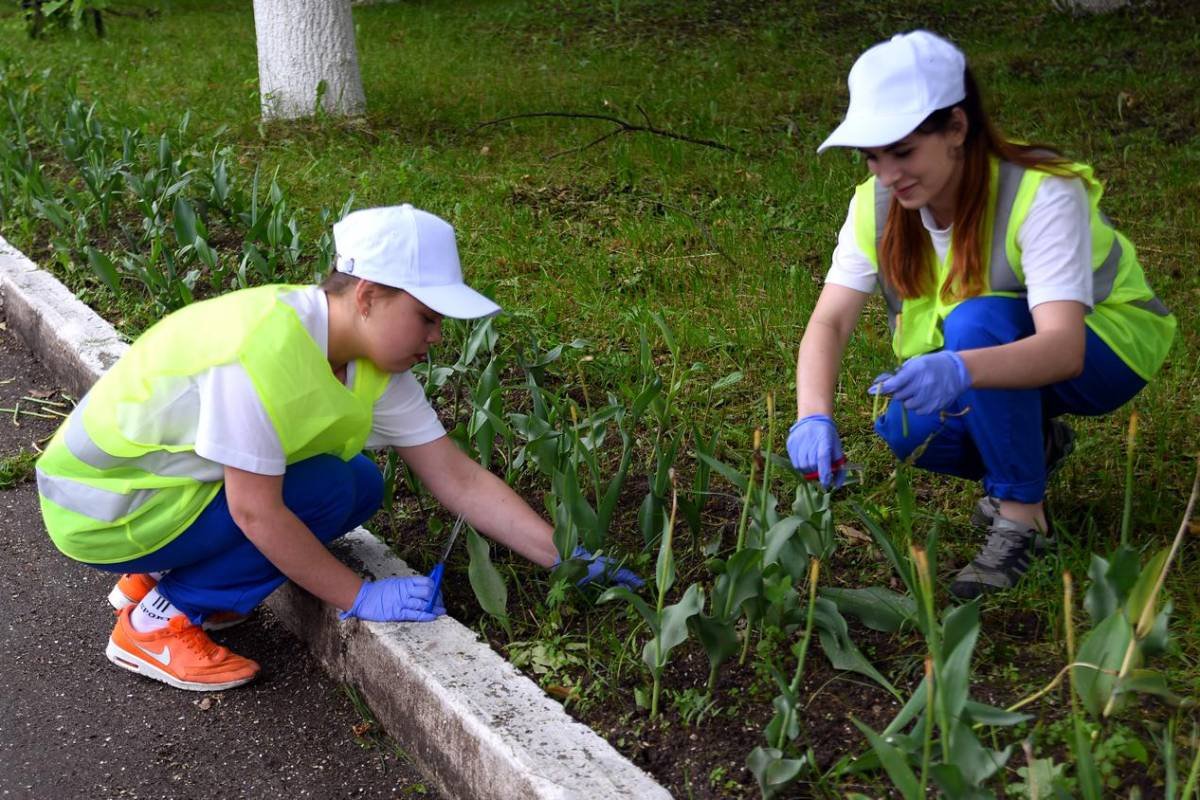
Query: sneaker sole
128,661
118,600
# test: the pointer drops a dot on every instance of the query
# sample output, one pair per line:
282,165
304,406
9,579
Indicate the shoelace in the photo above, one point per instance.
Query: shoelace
999,546
196,640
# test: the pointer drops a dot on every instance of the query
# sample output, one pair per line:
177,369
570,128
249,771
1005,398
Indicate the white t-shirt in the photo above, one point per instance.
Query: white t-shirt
1055,241
234,429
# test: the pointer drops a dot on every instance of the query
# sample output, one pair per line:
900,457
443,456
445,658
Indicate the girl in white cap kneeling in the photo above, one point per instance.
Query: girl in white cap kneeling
223,452
1011,298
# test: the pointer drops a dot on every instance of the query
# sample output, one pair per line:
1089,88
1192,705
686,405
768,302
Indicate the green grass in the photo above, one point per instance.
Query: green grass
730,247
16,469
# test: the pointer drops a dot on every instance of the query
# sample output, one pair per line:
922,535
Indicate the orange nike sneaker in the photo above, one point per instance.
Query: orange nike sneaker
181,654
133,586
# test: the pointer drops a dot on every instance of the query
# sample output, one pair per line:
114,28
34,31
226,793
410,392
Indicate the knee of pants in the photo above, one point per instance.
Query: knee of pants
322,492
904,431
987,321
368,489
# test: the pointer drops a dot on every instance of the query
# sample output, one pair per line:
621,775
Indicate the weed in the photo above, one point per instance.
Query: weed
17,469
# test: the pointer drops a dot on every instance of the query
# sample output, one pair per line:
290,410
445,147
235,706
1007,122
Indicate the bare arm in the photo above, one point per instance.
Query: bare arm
256,505
825,337
487,503
1053,353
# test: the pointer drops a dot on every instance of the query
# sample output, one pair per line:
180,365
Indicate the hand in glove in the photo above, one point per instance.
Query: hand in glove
395,600
926,384
605,570
814,446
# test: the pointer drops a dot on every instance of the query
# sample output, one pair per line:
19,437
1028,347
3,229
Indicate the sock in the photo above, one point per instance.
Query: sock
152,613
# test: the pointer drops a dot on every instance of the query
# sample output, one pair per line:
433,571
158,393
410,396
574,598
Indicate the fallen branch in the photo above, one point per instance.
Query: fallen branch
623,126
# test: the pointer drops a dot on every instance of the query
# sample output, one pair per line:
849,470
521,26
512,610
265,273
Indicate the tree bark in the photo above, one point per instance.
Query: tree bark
305,49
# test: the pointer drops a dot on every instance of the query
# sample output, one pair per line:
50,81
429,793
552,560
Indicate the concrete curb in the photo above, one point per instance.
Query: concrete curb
474,725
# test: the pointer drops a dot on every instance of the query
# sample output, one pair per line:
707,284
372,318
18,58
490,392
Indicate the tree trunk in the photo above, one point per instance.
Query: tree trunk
305,49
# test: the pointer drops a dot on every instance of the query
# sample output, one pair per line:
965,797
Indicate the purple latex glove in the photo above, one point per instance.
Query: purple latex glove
814,446
604,569
926,384
396,600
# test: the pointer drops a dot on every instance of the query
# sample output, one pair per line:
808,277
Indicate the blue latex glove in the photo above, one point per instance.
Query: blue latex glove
926,384
813,445
396,600
604,569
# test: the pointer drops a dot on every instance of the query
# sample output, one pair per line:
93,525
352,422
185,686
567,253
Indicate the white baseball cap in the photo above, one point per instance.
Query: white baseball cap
406,248
895,85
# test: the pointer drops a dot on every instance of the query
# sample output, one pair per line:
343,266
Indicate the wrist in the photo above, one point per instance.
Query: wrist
960,364
352,609
824,418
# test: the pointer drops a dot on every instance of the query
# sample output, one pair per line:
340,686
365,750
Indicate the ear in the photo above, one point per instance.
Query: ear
956,129
365,295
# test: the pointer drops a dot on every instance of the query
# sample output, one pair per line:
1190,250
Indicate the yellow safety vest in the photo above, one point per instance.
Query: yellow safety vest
115,484
1126,314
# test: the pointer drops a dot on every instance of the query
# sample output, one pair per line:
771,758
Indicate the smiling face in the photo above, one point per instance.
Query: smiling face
924,169
398,330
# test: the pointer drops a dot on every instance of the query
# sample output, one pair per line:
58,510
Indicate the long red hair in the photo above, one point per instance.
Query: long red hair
905,250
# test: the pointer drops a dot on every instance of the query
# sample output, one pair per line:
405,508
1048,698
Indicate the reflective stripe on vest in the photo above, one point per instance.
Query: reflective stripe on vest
82,498
1002,276
91,501
182,464
121,477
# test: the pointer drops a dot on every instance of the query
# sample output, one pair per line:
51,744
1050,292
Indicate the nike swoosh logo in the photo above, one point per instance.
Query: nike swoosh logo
163,658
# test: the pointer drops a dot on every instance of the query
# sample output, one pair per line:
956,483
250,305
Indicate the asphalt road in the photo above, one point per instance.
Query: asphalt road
72,725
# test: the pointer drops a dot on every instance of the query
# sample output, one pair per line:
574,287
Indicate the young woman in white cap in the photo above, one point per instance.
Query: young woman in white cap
1011,298
223,452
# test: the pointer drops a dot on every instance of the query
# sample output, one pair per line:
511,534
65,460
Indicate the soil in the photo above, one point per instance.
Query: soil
705,756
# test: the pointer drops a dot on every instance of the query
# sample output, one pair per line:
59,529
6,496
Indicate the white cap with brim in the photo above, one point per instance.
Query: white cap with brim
406,248
895,86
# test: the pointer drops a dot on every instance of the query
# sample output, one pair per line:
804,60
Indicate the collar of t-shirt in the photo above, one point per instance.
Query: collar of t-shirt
941,237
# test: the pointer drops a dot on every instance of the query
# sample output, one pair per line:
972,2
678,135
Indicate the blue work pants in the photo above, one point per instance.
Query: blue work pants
212,566
998,435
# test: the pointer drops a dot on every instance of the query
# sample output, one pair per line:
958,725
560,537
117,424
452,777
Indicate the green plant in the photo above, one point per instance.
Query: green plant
940,710
667,440
770,555
1170,759
772,767
486,580
668,624
691,704
65,14
16,469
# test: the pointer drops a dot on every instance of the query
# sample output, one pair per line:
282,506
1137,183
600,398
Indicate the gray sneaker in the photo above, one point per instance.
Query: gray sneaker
1010,548
1060,443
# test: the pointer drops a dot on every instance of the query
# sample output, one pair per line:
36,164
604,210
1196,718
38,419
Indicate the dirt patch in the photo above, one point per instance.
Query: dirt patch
26,386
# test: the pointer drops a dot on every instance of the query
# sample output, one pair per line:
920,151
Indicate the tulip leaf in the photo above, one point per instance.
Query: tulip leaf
1102,650
894,761
486,579
876,607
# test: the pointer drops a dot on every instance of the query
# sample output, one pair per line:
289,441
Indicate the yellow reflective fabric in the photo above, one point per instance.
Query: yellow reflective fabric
131,496
1126,314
